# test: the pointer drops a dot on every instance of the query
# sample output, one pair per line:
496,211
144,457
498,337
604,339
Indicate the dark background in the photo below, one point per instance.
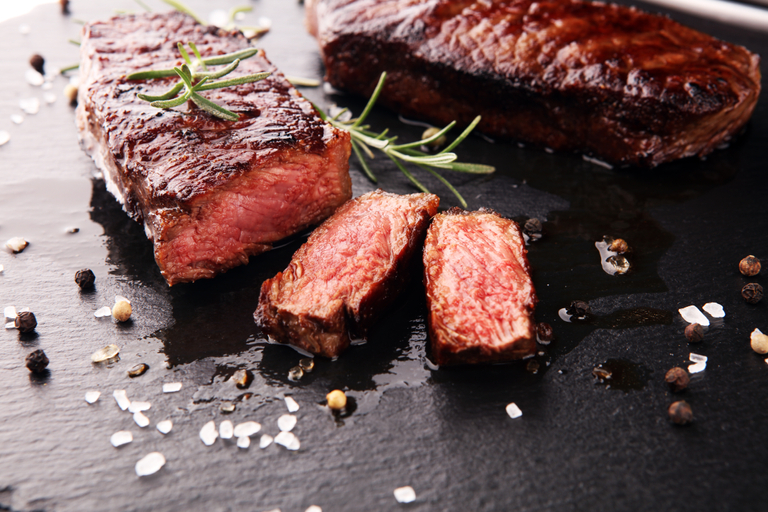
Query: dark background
578,446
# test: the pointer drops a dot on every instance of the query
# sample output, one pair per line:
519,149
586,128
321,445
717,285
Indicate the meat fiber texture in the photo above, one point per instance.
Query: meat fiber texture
347,273
480,294
622,85
210,192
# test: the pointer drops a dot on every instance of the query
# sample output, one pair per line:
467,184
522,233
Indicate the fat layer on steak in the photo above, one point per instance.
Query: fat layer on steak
210,192
480,294
623,85
347,273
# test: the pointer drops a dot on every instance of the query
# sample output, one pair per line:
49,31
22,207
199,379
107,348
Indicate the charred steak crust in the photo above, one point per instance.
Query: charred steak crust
210,192
480,295
626,86
350,269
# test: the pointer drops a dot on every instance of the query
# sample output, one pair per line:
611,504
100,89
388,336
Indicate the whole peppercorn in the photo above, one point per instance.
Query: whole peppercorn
121,311
694,333
431,132
544,333
759,342
680,413
533,226
749,266
64,6
25,321
337,400
38,63
752,293
37,361
619,246
578,309
677,379
85,279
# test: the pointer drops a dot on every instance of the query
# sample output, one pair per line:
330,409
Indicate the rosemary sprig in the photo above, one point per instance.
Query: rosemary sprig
194,81
363,139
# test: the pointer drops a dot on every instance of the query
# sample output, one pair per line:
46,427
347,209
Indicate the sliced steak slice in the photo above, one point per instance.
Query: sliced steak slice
347,273
623,85
480,294
210,192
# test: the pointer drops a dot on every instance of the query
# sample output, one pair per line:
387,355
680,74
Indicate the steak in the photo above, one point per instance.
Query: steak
347,273
209,192
614,82
480,294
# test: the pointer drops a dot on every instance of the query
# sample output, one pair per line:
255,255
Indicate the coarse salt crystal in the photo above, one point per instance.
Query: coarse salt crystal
291,404
30,106
121,397
34,78
4,137
141,420
286,422
139,406
265,441
10,313
697,358
49,98
693,315
218,17
10,325
288,440
243,442
24,29
714,309
171,387
150,464
405,494
16,244
120,438
209,434
165,426
226,430
314,508
247,429
17,118
697,367
513,410
102,312
92,396
120,298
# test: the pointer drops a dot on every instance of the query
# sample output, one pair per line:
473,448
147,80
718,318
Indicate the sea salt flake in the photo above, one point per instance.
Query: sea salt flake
226,430
16,244
286,422
171,387
243,442
34,78
10,325
120,438
265,441
405,494
4,137
92,396
288,440
30,106
10,313
314,508
513,410
150,464
291,404
696,368
165,426
141,420
139,406
120,298
208,433
121,397
693,315
17,118
105,354
102,312
247,429
697,358
714,309
24,29
49,98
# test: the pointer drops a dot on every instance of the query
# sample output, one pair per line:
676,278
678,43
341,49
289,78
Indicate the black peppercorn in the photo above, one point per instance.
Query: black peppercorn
619,246
677,379
38,63
749,266
85,278
578,309
680,413
752,293
64,6
694,333
532,226
544,332
37,361
25,321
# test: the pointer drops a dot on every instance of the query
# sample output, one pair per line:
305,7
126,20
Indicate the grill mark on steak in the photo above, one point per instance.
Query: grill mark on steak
346,274
480,294
210,192
626,86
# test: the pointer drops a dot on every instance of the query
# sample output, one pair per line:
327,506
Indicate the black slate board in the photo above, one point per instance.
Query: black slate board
578,446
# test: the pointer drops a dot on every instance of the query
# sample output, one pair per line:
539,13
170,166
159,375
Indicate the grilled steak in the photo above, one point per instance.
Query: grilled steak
479,290
623,85
351,268
210,192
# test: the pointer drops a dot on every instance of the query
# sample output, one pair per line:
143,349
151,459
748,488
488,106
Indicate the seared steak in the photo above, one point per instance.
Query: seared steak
623,85
479,290
346,274
210,192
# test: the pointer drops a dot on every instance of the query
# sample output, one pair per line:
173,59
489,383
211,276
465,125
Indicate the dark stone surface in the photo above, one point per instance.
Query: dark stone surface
578,445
